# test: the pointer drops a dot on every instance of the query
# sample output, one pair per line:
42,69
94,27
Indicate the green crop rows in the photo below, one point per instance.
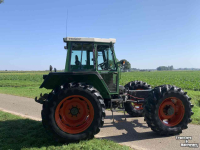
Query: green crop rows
188,80
22,83
21,79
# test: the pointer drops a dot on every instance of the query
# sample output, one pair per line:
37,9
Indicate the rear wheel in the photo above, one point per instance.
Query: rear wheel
136,110
170,112
73,113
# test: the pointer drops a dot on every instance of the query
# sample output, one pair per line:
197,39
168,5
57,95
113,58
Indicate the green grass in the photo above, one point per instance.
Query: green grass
18,133
195,95
28,91
27,83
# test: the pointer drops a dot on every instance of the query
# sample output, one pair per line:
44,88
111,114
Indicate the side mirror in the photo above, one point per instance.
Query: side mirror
119,63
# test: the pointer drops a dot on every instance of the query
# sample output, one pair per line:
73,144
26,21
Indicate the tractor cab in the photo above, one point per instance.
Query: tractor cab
93,55
90,54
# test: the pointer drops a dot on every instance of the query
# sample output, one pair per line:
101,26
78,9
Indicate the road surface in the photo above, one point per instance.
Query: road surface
134,132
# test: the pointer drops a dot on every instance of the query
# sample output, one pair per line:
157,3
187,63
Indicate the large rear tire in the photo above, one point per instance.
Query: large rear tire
74,112
136,110
169,112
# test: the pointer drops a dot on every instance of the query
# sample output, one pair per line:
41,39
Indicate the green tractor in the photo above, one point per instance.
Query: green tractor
75,109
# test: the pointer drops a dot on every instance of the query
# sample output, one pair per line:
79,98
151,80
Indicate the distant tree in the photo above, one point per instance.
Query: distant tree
1,1
171,67
162,68
134,69
127,65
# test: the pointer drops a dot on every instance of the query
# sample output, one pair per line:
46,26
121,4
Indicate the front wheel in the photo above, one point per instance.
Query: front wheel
169,112
73,113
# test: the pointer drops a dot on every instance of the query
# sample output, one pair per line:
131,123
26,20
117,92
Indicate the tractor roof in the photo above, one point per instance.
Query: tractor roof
85,39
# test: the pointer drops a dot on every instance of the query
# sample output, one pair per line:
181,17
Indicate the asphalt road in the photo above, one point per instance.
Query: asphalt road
134,132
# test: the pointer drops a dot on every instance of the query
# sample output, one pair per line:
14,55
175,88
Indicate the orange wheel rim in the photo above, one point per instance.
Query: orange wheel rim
171,111
74,114
138,106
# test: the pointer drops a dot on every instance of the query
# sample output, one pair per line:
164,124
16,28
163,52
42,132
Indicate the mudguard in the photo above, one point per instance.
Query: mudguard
56,79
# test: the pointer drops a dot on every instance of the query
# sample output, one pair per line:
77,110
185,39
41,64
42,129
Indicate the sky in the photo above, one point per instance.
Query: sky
148,33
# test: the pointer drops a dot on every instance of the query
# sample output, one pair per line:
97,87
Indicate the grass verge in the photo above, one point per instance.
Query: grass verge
18,133
195,95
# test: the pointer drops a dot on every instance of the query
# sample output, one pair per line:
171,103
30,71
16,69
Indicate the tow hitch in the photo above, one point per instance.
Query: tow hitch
42,98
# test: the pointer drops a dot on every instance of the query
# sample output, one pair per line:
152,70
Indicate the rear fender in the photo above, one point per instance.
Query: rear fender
56,79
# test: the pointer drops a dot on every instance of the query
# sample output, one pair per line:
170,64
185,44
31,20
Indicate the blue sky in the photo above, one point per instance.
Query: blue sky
149,33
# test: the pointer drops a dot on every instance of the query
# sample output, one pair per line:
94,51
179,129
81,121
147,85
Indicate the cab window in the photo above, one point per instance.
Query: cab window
81,57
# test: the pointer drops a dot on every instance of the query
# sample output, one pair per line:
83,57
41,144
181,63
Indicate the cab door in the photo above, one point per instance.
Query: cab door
106,66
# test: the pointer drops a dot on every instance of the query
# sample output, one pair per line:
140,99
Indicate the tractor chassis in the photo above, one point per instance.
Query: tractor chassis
130,96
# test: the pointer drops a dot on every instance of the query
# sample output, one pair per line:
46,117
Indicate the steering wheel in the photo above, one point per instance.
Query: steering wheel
102,65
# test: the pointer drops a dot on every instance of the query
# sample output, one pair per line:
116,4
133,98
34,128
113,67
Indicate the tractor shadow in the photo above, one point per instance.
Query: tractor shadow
24,133
135,127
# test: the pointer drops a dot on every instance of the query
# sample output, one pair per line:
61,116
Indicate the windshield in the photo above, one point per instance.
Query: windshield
105,58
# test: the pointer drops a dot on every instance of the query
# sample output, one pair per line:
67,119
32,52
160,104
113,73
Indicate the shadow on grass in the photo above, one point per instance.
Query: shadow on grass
24,133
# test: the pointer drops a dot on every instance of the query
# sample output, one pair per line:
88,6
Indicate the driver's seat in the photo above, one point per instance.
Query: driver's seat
77,62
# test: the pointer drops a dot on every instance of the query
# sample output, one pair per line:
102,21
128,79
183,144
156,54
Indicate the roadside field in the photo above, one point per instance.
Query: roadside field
25,134
22,83
27,83
187,80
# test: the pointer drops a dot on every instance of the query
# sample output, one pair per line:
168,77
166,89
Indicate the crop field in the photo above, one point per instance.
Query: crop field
22,83
188,80
27,83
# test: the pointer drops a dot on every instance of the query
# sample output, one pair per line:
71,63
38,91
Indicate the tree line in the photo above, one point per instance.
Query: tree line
161,68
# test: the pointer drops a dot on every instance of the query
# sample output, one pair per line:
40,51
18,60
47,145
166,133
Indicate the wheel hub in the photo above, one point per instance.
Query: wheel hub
170,111
74,111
